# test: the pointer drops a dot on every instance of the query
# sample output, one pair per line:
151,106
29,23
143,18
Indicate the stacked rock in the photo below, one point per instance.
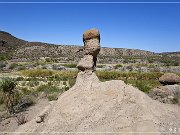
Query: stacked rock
91,39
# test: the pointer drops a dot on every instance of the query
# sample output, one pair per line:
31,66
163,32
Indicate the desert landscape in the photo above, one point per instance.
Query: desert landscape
87,89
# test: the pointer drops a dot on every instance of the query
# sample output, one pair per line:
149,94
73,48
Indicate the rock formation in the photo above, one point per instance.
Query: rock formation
170,92
91,39
112,107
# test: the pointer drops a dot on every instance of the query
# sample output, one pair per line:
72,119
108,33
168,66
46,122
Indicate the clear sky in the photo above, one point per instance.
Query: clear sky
146,26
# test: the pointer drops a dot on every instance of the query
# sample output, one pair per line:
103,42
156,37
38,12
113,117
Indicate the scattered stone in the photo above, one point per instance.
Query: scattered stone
169,79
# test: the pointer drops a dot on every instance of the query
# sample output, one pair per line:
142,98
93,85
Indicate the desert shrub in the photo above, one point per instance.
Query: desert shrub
33,83
23,83
2,108
141,85
23,103
37,73
2,65
118,66
64,83
21,119
19,78
100,66
21,68
7,86
1,98
13,65
70,65
72,82
3,57
34,79
53,96
25,90
66,88
48,88
176,99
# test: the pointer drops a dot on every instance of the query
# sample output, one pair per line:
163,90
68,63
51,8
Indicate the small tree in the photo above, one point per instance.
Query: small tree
8,85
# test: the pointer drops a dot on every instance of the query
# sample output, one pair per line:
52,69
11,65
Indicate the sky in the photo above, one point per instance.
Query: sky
146,26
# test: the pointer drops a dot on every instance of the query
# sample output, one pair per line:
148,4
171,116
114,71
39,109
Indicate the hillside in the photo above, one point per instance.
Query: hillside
21,50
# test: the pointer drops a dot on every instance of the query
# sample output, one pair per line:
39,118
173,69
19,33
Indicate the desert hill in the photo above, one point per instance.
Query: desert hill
19,49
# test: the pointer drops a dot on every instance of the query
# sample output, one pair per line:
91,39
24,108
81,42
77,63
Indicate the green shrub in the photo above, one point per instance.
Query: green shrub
13,65
48,89
71,65
33,83
53,96
100,66
37,73
141,85
7,86
19,78
118,66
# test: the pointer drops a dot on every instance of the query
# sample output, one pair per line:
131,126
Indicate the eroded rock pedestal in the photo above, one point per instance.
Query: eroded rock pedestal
91,39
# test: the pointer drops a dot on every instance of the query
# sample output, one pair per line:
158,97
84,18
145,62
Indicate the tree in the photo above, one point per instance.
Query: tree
7,86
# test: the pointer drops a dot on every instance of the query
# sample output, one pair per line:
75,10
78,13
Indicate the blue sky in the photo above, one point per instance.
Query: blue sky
153,26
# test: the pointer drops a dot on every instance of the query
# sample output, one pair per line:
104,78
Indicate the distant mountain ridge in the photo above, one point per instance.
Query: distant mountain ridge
19,49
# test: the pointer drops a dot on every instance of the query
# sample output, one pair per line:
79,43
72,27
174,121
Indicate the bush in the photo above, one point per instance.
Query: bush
19,78
100,66
13,65
37,73
23,103
7,86
21,119
53,96
141,85
70,65
118,66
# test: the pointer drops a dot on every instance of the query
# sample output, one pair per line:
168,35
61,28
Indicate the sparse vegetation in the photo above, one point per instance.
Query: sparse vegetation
71,65
7,86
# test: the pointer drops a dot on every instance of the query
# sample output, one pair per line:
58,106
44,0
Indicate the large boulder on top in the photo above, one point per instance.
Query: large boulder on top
169,79
92,33
91,40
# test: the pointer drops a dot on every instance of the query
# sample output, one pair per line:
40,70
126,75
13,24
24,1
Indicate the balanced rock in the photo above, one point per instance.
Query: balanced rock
169,79
91,39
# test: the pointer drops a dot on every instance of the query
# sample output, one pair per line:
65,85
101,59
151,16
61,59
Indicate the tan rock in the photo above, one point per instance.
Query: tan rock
86,63
169,78
92,33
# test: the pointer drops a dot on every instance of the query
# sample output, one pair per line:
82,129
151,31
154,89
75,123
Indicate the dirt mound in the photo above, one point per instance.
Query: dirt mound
93,106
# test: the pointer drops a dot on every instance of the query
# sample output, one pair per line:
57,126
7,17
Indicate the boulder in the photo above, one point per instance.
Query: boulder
169,79
92,33
86,63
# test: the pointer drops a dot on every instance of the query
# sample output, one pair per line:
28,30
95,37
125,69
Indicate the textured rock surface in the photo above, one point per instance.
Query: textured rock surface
86,63
166,94
91,39
93,106
169,78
